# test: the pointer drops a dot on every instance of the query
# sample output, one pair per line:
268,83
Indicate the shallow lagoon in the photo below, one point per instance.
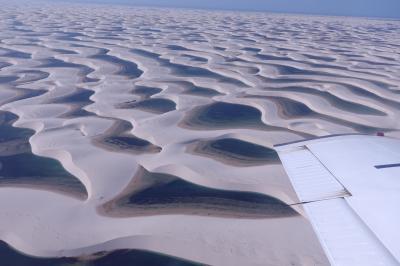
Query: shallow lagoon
10,257
157,193
225,115
152,105
20,167
236,152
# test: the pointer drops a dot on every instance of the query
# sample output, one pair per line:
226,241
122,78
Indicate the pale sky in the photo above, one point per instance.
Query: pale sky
369,8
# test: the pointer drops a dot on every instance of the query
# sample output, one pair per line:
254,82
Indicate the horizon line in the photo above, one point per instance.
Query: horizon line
323,14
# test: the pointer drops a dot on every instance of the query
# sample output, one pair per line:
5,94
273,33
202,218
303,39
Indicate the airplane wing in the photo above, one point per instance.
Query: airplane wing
349,187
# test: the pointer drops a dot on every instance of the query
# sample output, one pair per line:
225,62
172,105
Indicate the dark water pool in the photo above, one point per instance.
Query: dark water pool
80,96
19,166
294,109
291,108
320,58
10,257
186,70
57,63
7,79
201,91
31,76
272,57
196,58
153,105
177,48
243,149
145,91
334,100
14,54
77,100
8,132
127,68
130,143
226,115
169,194
64,51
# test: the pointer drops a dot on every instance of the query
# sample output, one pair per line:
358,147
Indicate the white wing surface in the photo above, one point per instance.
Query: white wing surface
349,187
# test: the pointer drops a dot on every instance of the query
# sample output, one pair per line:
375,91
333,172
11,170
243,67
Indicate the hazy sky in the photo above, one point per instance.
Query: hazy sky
375,8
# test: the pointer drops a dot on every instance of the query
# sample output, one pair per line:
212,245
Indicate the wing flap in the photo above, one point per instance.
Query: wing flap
311,180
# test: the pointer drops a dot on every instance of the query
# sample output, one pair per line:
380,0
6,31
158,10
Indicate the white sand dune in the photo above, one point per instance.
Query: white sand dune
301,76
